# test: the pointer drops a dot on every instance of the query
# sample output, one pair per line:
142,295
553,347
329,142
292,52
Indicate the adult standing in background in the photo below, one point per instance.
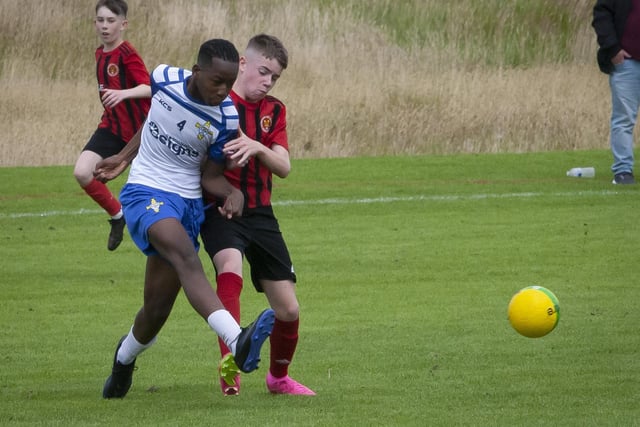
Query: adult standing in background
617,26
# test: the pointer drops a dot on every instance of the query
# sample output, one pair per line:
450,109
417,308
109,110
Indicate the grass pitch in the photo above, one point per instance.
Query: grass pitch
406,266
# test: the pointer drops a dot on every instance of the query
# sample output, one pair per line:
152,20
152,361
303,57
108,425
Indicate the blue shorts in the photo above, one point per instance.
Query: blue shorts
144,206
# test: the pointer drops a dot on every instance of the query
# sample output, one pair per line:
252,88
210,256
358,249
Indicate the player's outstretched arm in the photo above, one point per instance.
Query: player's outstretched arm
113,97
242,148
111,167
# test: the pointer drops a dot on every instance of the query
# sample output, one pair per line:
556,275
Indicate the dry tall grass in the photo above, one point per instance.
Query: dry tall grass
350,89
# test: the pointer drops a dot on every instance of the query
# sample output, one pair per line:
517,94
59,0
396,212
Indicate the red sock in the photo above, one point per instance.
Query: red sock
284,339
229,287
101,194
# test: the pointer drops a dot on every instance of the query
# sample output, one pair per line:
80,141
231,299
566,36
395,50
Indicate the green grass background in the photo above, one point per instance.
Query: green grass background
406,266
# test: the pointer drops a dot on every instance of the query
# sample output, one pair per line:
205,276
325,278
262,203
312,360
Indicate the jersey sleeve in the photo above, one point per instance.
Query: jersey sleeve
157,78
136,69
164,75
279,133
215,150
227,133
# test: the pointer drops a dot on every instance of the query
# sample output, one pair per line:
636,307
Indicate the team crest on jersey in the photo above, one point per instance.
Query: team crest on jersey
112,70
266,123
204,130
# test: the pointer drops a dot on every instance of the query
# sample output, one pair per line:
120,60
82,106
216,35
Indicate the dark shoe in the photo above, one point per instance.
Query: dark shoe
251,339
119,382
624,178
115,236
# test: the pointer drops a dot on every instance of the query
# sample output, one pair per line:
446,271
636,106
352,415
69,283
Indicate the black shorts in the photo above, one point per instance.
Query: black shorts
256,235
104,143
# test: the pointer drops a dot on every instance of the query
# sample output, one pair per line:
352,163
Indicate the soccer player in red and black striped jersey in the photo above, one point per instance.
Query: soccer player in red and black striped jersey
123,86
260,151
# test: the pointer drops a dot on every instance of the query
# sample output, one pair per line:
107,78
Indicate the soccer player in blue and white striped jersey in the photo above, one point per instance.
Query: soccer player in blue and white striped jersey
179,151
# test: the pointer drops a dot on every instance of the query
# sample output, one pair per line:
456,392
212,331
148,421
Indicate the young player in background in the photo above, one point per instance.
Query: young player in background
123,86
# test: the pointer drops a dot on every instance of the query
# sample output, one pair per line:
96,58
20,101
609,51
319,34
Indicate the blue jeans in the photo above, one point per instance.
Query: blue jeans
625,100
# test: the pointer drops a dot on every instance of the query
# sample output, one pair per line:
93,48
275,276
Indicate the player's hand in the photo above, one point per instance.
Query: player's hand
233,205
111,97
109,168
241,149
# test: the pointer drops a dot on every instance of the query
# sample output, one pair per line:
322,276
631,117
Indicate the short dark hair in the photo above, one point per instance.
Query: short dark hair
119,7
271,47
217,48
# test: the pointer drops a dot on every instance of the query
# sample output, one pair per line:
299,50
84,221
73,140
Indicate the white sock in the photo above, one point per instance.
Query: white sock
118,215
131,348
223,324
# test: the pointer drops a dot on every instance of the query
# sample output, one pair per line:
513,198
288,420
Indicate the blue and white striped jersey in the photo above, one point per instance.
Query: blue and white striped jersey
179,134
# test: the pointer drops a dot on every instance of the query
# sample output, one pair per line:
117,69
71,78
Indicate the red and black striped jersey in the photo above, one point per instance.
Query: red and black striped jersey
266,122
122,68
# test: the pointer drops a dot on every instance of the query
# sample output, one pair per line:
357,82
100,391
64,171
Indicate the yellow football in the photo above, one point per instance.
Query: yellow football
534,311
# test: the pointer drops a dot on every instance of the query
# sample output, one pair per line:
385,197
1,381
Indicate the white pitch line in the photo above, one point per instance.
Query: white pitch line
50,213
439,198
344,201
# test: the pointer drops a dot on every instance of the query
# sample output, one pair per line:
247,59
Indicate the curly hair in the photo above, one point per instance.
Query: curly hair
217,48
